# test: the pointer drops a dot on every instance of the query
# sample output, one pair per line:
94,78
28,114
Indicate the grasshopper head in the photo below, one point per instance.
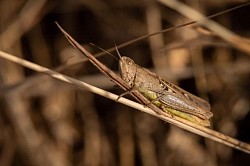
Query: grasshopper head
127,69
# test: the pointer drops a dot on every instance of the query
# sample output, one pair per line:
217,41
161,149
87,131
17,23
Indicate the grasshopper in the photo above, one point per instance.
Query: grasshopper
167,96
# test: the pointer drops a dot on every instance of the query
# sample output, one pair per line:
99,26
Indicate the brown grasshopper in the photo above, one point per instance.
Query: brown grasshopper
167,96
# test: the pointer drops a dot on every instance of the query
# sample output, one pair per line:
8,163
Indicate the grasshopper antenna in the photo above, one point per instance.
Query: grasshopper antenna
105,51
116,48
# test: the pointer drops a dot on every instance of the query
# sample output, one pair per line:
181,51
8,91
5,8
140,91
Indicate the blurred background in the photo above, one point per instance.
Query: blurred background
44,121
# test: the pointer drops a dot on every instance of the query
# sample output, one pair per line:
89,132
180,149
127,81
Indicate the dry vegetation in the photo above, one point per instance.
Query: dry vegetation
47,122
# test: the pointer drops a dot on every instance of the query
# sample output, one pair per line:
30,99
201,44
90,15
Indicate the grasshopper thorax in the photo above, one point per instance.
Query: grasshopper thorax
127,69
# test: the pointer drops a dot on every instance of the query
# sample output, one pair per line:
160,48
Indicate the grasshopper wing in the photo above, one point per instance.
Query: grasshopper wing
178,94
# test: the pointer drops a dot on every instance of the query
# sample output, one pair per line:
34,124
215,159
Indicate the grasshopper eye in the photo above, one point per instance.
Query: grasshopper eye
129,62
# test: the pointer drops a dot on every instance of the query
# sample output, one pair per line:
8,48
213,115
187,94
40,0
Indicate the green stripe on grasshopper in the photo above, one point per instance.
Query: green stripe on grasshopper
152,95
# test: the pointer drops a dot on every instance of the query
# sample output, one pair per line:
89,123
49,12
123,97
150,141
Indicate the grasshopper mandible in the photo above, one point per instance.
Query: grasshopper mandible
167,96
